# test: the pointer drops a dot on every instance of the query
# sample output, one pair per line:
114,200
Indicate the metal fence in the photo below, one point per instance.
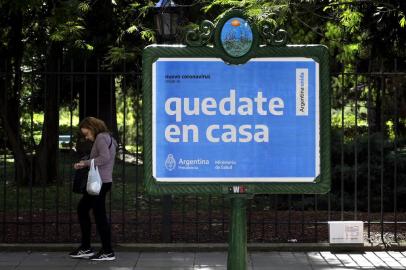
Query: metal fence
368,166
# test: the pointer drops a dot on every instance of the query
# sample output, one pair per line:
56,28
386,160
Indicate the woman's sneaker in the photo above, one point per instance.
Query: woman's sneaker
103,256
80,252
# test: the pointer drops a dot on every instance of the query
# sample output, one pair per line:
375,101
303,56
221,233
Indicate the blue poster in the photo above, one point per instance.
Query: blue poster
257,122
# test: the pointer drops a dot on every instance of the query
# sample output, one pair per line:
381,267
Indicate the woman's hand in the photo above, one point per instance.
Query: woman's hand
79,165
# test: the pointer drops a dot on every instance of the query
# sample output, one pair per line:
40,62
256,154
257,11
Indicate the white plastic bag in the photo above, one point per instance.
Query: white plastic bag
94,181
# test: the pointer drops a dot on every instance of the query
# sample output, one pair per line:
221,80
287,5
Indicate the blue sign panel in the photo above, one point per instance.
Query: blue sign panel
257,122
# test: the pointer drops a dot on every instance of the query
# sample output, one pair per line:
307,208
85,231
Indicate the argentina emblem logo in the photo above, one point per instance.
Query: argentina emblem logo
170,163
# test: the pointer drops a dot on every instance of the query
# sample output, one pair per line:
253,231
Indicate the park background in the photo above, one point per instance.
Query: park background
63,60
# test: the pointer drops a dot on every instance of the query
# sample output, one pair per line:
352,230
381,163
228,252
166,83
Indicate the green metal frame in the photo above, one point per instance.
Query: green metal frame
198,46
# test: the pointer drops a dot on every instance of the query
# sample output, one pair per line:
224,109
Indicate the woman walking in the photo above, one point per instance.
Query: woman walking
103,152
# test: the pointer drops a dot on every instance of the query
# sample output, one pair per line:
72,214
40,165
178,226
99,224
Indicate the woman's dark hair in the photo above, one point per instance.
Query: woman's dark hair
94,124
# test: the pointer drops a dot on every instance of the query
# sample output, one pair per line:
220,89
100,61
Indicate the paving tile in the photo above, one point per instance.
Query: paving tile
287,256
44,267
264,259
346,260
128,254
286,267
212,259
153,255
389,260
279,260
8,259
342,268
361,260
48,259
164,263
375,260
116,264
210,268
303,258
166,259
163,268
275,259
316,259
399,257
104,266
331,259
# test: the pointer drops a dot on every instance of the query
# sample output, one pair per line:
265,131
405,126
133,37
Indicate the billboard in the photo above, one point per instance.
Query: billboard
213,122
229,114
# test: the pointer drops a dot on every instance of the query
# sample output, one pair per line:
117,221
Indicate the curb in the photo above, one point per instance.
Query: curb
209,247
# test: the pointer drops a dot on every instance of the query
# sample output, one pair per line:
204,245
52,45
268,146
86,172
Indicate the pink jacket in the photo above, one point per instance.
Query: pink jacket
104,154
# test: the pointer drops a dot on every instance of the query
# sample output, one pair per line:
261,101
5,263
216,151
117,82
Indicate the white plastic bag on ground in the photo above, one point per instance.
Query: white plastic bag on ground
94,181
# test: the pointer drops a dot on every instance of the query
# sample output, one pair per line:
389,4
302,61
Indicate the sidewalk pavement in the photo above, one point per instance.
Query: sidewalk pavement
206,260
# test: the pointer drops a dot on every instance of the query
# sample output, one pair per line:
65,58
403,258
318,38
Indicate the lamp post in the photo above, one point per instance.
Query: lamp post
166,20
166,17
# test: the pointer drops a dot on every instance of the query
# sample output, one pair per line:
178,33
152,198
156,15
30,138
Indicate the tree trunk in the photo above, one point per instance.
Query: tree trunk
10,112
47,157
21,161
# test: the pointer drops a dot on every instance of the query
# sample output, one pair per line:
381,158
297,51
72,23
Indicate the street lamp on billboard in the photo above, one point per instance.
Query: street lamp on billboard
166,20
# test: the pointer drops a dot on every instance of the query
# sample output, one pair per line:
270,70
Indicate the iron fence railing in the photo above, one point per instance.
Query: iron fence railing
368,165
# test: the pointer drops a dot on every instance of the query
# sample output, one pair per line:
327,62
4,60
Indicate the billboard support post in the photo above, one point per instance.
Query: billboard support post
237,241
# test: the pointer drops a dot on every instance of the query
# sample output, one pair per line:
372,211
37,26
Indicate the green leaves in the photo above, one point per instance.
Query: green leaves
258,10
66,24
132,29
118,54
148,35
351,20
70,30
81,44
84,7
402,22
